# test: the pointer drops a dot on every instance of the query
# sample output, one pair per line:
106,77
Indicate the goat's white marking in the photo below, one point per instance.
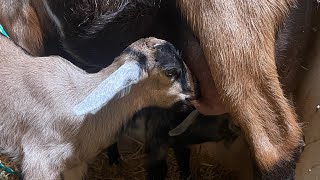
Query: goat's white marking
124,77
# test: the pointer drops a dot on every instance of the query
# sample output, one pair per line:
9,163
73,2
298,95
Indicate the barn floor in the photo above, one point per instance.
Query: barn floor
132,166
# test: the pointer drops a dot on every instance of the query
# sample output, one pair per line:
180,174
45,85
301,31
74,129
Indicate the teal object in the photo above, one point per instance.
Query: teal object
6,169
3,32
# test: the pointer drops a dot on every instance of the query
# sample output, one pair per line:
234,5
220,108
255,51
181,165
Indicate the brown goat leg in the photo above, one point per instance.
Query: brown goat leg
238,40
209,101
21,21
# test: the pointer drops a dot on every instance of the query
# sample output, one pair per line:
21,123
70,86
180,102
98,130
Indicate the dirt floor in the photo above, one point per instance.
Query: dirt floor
132,166
308,101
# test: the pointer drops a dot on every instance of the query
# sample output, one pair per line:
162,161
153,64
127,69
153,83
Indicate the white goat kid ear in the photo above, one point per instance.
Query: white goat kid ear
183,126
118,83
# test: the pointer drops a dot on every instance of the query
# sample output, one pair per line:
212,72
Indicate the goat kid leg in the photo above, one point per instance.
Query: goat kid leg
35,166
238,40
156,160
182,155
113,154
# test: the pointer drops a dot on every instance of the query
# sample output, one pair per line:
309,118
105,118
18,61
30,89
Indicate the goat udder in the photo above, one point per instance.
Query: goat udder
209,102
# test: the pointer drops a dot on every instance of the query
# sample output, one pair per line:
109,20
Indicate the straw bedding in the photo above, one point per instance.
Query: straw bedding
132,165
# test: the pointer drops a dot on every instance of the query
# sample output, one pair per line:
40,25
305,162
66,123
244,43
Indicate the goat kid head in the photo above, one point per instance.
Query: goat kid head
197,128
147,69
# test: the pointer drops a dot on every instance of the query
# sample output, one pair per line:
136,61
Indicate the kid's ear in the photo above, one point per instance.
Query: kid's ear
119,82
182,127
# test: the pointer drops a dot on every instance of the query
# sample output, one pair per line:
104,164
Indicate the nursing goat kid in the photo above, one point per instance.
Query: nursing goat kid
55,117
154,132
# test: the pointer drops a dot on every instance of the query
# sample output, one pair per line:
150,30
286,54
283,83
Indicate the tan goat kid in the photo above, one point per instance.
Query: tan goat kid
55,118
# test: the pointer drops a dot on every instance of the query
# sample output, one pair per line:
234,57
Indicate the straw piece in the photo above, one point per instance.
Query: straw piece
132,166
